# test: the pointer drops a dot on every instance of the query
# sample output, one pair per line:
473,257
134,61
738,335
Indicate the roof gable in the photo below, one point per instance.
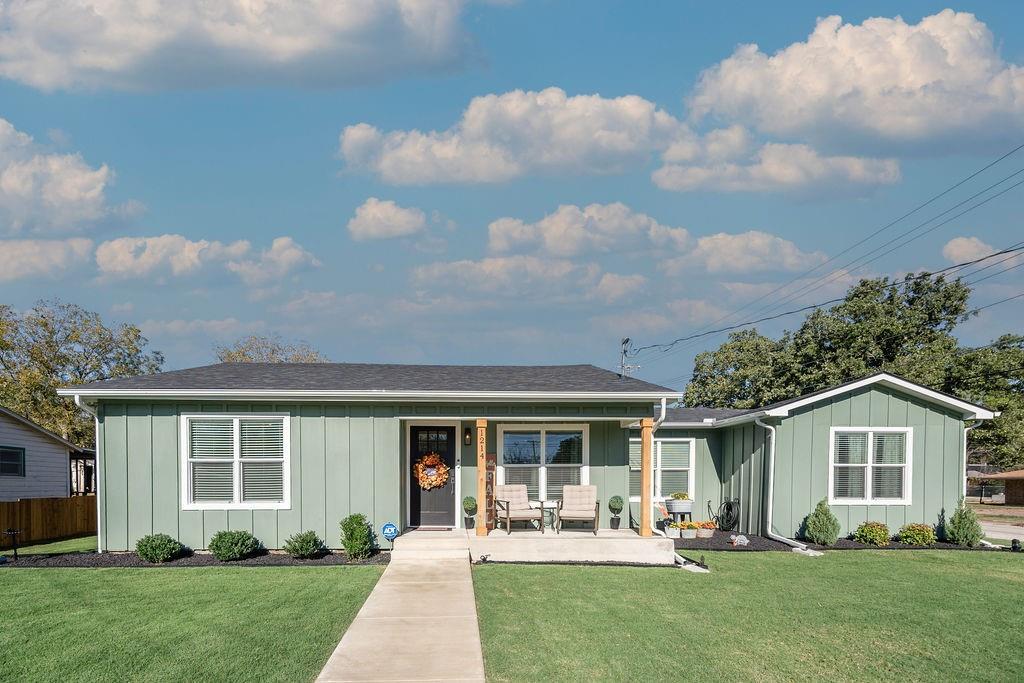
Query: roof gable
25,422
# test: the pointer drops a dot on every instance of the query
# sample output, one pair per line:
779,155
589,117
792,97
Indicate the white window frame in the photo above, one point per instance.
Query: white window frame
237,504
542,475
869,498
657,495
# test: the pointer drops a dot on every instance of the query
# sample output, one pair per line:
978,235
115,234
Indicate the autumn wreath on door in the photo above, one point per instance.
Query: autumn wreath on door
431,471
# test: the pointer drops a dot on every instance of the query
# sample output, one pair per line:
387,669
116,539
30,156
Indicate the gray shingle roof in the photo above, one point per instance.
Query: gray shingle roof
384,377
699,414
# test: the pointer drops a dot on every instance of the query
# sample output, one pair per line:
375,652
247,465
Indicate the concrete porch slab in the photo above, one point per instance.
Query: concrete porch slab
621,545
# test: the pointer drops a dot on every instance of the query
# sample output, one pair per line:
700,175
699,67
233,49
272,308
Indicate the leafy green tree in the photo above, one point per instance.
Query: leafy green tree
268,349
57,344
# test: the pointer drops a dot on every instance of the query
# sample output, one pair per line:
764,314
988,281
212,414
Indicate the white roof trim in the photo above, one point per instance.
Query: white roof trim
969,410
372,395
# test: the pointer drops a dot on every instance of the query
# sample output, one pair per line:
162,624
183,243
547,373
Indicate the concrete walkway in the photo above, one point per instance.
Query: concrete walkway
1004,531
419,624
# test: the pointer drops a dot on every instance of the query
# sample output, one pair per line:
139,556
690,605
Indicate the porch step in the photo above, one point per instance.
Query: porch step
430,554
432,540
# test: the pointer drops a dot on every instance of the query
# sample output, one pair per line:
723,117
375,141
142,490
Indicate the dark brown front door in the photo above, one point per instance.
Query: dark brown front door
436,506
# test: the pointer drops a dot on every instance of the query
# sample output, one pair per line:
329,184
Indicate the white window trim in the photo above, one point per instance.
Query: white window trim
186,486
657,495
542,476
908,474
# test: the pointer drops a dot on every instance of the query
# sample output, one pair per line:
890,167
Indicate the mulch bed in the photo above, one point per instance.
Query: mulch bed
98,560
720,541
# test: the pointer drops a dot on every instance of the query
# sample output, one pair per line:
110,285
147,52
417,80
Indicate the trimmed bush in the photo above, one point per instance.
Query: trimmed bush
469,506
356,536
872,533
963,527
228,546
821,526
615,504
158,548
916,534
304,545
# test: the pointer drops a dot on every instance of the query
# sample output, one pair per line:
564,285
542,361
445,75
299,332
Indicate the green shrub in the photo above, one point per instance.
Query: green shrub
963,527
916,534
821,526
872,533
158,548
228,546
469,505
304,545
615,504
356,536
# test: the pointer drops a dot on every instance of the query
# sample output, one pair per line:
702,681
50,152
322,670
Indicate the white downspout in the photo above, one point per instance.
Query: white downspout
654,429
82,405
797,545
977,423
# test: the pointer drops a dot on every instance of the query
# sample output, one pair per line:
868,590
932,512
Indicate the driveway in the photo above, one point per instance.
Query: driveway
1004,531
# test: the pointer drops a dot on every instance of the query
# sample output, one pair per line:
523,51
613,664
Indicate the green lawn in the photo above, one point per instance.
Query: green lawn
168,624
854,615
83,544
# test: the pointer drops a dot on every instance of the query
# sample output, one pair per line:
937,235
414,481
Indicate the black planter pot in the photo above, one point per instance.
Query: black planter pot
615,522
470,522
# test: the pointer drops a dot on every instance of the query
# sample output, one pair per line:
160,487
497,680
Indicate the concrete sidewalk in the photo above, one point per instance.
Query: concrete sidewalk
1004,531
419,624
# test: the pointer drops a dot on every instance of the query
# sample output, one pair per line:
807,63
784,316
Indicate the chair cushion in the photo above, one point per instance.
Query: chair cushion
514,494
529,513
577,514
579,498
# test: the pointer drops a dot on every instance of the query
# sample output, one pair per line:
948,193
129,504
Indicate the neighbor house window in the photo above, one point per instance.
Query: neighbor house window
870,465
544,458
12,461
235,462
672,460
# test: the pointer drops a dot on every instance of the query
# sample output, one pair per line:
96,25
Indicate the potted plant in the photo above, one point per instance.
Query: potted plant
615,505
469,506
672,529
679,502
705,529
688,529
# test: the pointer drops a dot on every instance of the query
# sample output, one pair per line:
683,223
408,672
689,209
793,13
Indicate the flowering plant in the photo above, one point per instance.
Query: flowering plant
706,525
680,496
684,525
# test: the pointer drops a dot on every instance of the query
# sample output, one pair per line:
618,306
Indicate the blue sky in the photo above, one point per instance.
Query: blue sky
493,182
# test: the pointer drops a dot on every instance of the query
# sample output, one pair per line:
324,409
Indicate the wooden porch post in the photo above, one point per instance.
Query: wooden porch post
481,477
646,474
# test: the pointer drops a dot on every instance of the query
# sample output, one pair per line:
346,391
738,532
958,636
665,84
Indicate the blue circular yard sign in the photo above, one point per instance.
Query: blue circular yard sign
389,531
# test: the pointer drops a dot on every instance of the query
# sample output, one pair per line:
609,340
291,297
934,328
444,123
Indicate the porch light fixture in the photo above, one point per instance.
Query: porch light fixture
467,436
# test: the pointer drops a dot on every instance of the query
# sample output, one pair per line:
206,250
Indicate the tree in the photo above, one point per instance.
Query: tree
260,349
57,344
904,327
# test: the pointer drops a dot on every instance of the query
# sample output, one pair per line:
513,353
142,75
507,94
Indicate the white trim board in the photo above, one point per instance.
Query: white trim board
374,395
869,500
502,427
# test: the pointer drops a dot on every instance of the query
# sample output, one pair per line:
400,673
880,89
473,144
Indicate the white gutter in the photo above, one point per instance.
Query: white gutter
82,405
967,428
372,395
797,545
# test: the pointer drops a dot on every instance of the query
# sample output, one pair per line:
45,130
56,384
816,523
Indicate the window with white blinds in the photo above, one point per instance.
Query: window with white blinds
543,457
673,464
870,465
235,462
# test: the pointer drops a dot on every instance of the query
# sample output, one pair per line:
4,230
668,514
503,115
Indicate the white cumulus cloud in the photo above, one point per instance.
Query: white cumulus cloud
283,257
41,258
156,44
506,275
749,251
218,327
883,80
379,219
613,288
960,249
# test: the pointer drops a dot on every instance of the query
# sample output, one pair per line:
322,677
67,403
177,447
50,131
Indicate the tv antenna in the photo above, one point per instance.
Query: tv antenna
624,368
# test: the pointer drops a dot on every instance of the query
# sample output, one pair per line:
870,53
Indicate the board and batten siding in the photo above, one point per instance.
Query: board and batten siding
743,473
802,459
344,459
47,464
707,473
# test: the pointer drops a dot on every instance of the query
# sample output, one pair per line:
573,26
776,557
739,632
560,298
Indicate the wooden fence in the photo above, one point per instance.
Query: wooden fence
43,519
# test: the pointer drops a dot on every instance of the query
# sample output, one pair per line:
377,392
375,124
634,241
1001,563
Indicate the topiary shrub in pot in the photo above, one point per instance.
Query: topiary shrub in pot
615,505
821,526
356,536
916,534
305,545
157,548
230,546
963,527
469,507
872,533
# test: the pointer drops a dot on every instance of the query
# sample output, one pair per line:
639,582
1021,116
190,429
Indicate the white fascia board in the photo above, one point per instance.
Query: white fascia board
412,396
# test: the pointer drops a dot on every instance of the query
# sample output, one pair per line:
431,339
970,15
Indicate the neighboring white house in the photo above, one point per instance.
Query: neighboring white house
34,462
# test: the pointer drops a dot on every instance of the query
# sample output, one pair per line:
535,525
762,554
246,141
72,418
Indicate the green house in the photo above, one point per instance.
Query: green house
279,448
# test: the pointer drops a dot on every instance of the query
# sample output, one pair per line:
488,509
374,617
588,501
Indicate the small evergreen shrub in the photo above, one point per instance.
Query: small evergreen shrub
615,505
356,536
228,546
963,527
821,526
469,506
872,533
158,548
304,545
916,534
